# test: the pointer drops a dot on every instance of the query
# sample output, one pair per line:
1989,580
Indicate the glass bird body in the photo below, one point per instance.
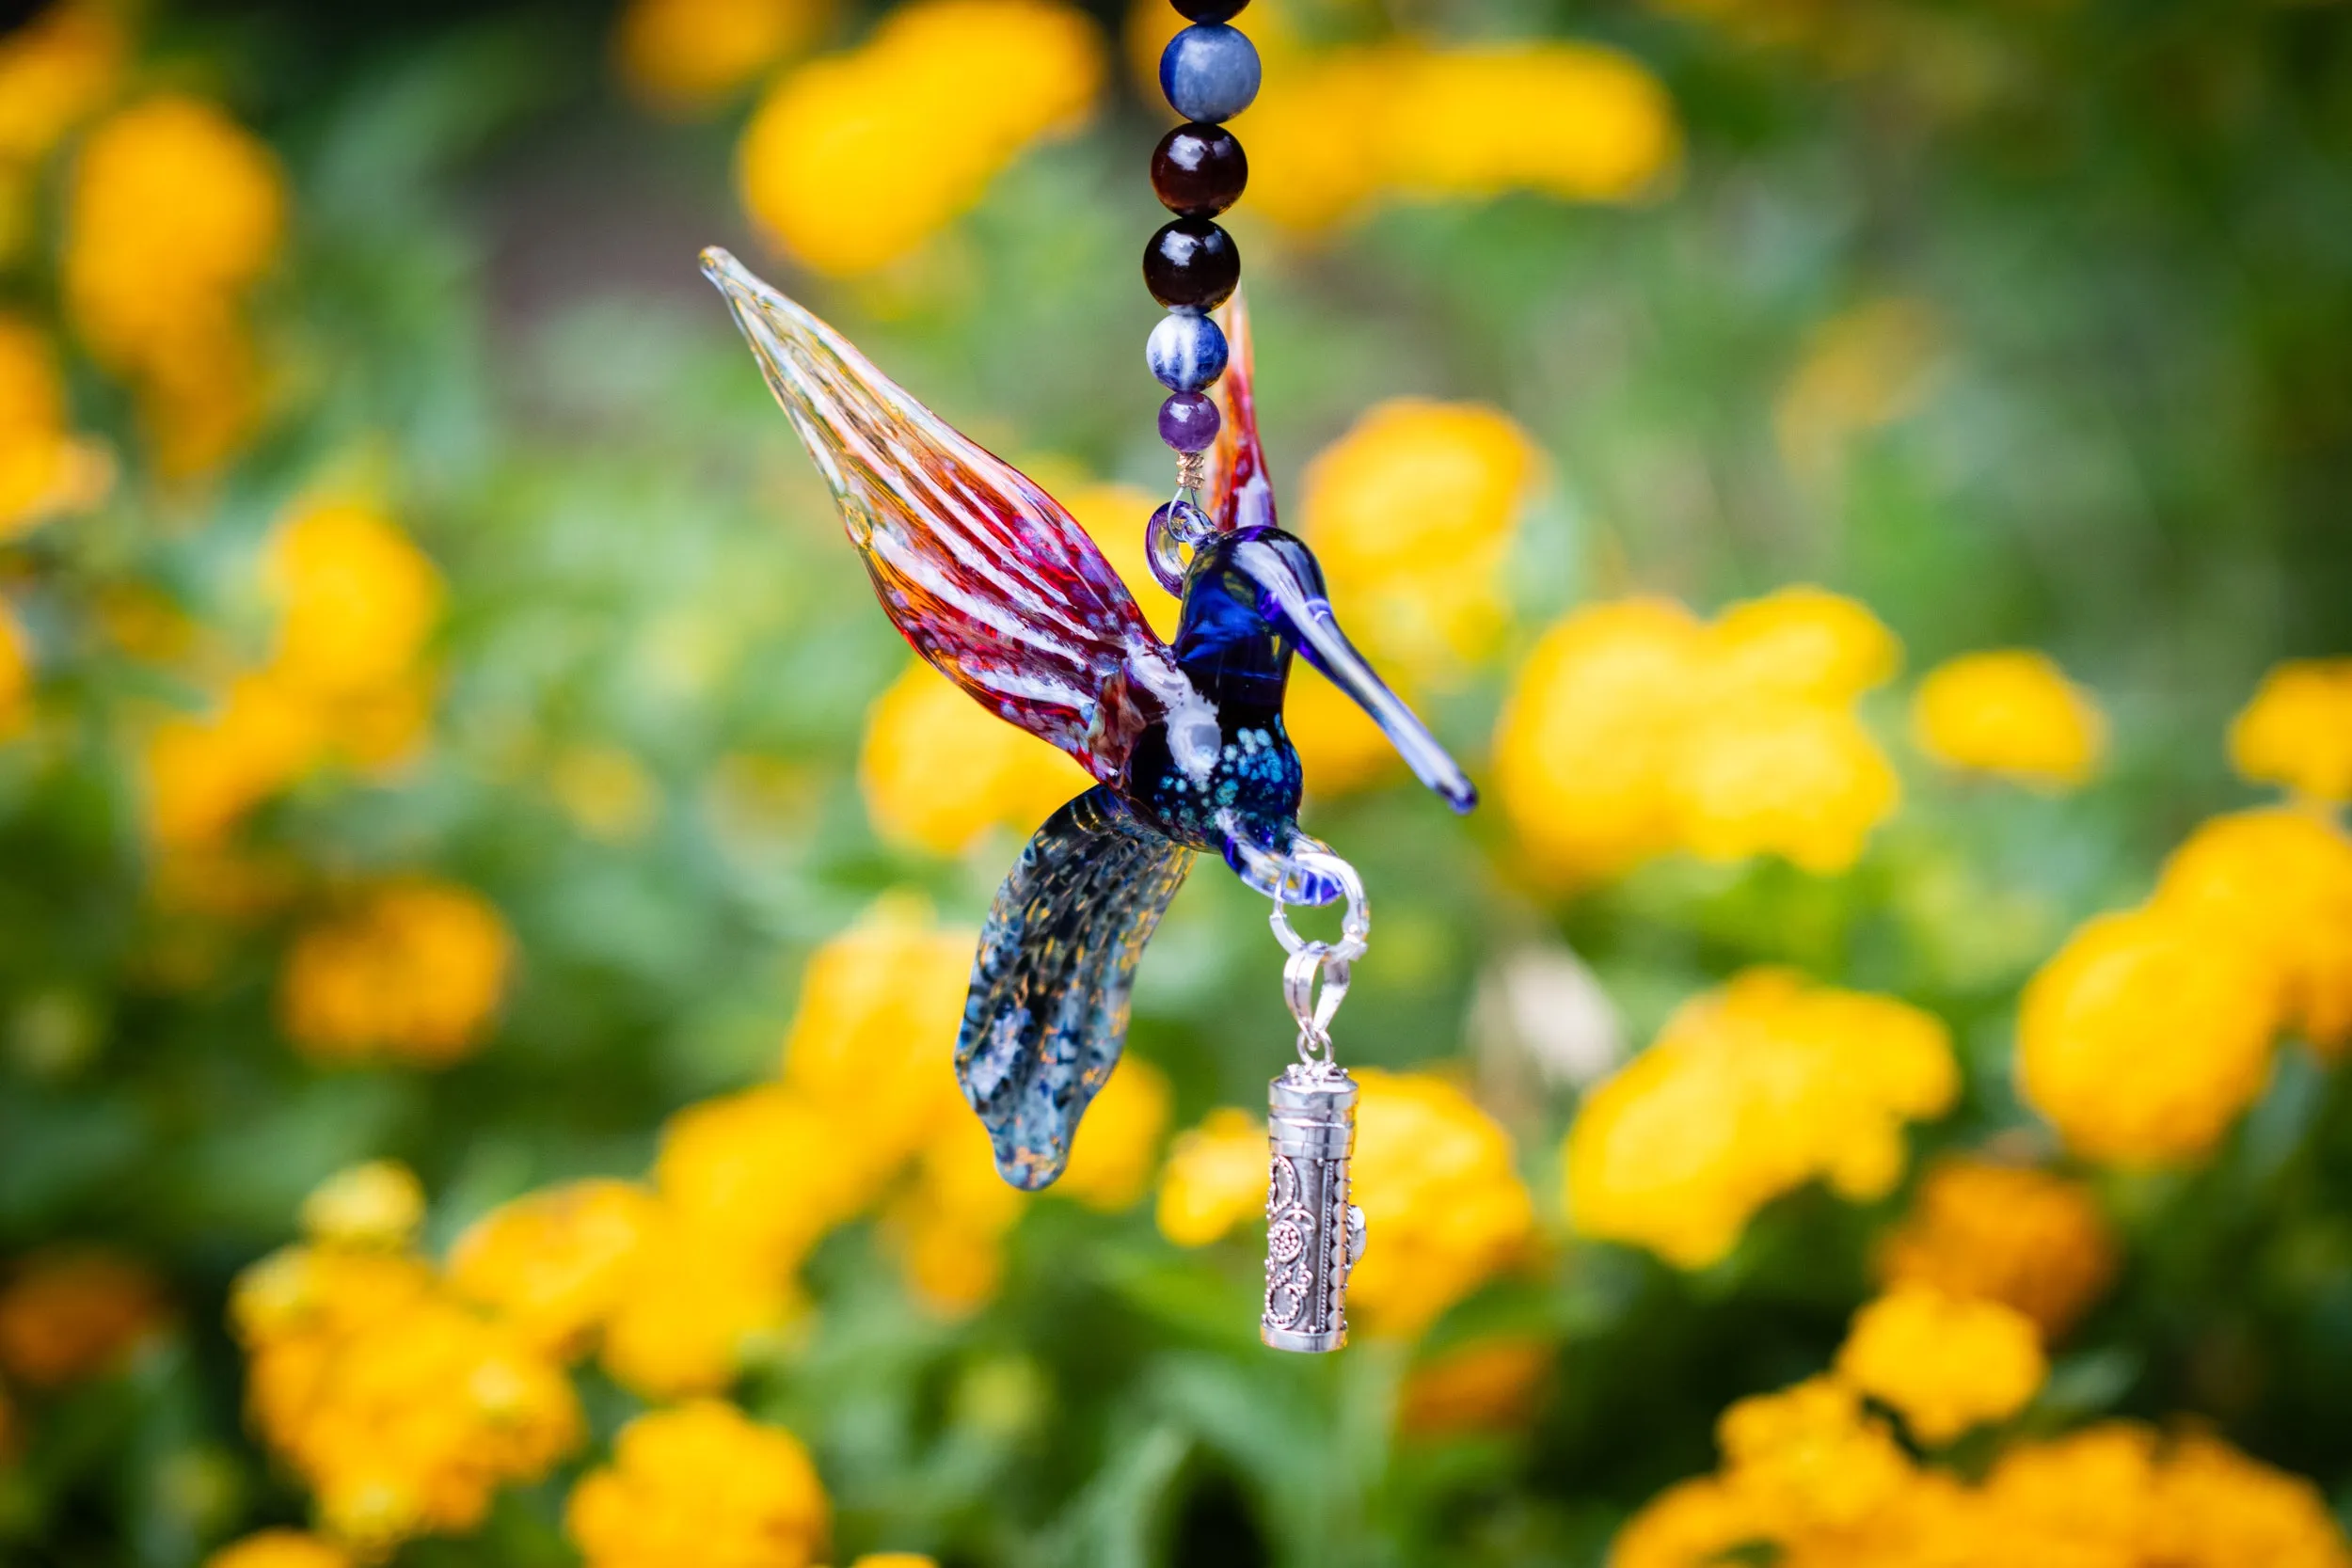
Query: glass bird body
1001,589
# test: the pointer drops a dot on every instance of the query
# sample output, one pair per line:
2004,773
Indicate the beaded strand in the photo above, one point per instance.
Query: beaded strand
1209,74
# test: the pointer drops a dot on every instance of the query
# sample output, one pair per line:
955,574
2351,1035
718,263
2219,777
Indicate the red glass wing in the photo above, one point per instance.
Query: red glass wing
985,574
1236,490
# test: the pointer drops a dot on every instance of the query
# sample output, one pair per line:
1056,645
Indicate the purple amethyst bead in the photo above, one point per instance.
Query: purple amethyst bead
1189,421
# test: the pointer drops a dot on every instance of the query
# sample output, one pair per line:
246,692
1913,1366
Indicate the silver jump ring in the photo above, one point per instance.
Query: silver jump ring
1311,1004
1355,925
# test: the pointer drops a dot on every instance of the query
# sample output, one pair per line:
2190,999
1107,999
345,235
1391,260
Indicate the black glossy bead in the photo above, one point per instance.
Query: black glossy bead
1208,10
1199,170
1191,261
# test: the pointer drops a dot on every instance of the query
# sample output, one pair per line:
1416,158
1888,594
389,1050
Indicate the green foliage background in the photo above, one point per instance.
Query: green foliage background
2131,217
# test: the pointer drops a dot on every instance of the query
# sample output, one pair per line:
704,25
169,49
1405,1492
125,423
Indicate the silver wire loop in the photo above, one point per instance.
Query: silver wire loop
1311,1004
1355,925
1181,522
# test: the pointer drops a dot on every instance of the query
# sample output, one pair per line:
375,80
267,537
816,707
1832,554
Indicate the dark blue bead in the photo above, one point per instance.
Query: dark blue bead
1185,351
1209,71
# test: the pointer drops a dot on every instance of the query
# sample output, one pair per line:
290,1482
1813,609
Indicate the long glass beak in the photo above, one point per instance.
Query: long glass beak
1306,615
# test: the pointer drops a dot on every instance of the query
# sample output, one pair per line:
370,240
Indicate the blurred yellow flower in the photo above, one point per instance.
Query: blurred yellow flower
689,56
1694,1523
2006,1233
43,470
1215,1177
174,212
553,1264
1749,1092
895,1559
16,673
605,790
924,729
204,771
873,1040
1335,132
1634,728
1413,514
853,161
1444,1208
55,70
411,970
2297,730
2009,711
2143,1038
1116,1151
1810,1456
689,1306
763,1173
1486,1386
280,1548
947,1224
1865,368
1114,516
2276,884
357,598
1943,1363
377,1204
74,1312
700,1486
401,1408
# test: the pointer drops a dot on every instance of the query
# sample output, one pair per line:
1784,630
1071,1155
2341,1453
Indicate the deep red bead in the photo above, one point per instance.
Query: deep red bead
1191,263
1199,170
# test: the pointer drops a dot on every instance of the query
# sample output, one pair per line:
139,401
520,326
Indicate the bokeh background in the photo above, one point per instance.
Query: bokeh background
485,897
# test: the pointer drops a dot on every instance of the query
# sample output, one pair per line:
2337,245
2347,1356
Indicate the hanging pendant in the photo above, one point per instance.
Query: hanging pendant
1313,1234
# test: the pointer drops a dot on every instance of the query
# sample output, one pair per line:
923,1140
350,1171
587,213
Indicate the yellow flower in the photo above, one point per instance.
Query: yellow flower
2276,884
1944,1363
376,1204
1116,1151
2142,1040
1692,1524
2217,1507
401,1408
2006,1233
1572,120
873,1040
765,1172
1444,1209
357,599
1592,730
1114,516
605,790
2012,712
895,1559
553,1264
204,771
853,162
1412,513
1336,132
947,1227
1215,1177
1866,368
2297,730
1795,778
174,210
689,1306
689,56
1488,1386
16,673
412,970
700,1486
280,1548
1801,643
1634,729
54,71
43,470
924,730
1809,1456
74,1312
1750,1092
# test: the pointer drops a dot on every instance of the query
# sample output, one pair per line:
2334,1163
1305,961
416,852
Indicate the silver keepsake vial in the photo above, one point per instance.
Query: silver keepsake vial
1313,1235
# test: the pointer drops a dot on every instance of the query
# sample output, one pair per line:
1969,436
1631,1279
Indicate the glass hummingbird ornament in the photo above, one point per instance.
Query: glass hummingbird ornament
1002,591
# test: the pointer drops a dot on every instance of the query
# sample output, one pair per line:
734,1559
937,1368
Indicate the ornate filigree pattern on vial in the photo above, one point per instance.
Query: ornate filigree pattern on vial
1313,1234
